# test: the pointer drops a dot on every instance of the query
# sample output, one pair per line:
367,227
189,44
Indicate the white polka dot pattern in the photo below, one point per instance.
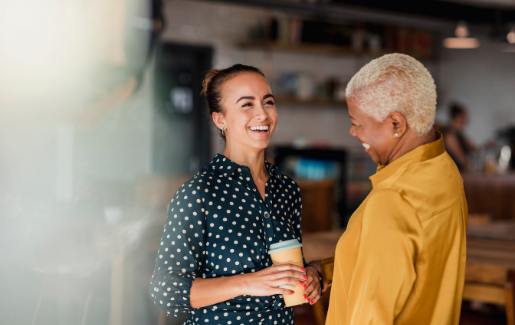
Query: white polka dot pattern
219,225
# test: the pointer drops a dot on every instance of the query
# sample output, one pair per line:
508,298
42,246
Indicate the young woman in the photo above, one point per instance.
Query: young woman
213,257
458,145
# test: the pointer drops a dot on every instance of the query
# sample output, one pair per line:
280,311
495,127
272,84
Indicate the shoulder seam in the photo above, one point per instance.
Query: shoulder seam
402,197
448,206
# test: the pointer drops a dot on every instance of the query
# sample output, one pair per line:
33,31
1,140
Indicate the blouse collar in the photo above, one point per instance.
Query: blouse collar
226,167
419,154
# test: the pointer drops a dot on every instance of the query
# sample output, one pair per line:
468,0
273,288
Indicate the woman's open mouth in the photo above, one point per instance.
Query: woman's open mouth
260,130
367,146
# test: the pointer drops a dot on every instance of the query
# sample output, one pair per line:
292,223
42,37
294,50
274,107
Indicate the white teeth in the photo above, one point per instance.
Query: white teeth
256,128
366,145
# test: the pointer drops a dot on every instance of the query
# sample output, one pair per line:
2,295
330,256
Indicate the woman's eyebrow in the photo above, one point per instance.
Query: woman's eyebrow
268,96
245,97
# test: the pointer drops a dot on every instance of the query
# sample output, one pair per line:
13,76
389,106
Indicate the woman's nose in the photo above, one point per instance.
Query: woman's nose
352,131
261,113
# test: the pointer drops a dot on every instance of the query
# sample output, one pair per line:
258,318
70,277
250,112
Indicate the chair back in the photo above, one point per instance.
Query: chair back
491,284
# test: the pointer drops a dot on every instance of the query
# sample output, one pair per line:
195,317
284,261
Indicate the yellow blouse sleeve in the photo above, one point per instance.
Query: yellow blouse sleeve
327,267
384,272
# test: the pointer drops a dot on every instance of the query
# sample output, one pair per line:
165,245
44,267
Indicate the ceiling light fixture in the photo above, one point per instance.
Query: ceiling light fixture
462,39
511,36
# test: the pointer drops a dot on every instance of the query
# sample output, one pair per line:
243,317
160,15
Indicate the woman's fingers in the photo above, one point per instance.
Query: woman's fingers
309,289
290,274
287,281
312,302
309,280
266,282
310,283
313,293
280,291
286,267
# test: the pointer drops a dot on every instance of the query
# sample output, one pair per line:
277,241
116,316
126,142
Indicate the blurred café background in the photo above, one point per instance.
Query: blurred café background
101,120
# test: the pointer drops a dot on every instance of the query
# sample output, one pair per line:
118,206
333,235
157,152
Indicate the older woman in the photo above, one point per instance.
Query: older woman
402,258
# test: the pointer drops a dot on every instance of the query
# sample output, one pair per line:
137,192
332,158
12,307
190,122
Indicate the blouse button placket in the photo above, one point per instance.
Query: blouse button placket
269,224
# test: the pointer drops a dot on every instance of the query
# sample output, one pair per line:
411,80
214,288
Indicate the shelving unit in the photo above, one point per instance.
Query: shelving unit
316,48
315,102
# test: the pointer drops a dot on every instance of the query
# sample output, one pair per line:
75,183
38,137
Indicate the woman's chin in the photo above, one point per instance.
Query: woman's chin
260,144
374,157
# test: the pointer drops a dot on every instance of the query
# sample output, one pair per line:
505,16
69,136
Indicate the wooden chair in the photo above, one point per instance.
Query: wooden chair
491,284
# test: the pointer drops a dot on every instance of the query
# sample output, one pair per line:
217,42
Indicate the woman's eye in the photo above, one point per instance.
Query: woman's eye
270,102
247,105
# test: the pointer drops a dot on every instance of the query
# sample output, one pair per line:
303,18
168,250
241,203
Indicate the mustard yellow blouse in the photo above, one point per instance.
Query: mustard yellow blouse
402,258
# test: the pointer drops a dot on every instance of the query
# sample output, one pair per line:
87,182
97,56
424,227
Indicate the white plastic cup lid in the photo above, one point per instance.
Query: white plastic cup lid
284,245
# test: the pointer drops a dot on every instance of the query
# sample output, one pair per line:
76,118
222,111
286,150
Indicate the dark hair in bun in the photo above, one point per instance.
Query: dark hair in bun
214,80
456,110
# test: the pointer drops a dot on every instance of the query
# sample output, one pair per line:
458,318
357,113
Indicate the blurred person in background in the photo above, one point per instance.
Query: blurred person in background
213,259
401,259
458,145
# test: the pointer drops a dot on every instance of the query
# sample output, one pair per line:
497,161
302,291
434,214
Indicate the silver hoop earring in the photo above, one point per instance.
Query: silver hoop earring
223,132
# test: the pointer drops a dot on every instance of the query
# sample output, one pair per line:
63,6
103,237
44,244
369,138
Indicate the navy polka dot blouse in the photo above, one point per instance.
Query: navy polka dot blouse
218,225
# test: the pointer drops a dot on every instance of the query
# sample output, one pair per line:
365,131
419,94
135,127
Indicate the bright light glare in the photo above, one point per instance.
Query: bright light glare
511,36
462,30
460,43
44,43
25,26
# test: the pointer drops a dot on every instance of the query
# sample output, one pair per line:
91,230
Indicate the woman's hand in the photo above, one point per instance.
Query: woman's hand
312,288
317,265
266,282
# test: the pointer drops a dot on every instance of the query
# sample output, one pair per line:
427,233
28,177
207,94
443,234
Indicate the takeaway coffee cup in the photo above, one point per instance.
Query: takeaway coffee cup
289,252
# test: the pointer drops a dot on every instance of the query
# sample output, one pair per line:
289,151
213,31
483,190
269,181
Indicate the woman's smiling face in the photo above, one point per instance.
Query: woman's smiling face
249,114
375,136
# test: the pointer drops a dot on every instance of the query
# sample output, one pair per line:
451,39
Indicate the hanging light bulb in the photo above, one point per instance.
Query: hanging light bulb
461,29
511,36
462,39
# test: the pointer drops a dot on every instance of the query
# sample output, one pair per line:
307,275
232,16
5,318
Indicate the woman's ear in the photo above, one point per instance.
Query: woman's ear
219,120
398,123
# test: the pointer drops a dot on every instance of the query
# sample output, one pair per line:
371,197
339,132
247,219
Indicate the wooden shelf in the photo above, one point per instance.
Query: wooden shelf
319,48
290,100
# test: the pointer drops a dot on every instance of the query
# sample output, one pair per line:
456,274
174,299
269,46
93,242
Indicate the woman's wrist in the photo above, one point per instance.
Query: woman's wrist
209,291
240,283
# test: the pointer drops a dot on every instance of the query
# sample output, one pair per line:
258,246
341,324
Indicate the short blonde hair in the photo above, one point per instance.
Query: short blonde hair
396,83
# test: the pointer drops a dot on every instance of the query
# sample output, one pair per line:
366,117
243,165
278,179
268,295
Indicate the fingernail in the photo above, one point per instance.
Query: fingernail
308,299
311,303
303,269
304,286
305,277
292,292
304,296
301,282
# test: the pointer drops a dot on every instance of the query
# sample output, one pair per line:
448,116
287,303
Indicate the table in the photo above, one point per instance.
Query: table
490,255
491,194
493,243
490,252
317,204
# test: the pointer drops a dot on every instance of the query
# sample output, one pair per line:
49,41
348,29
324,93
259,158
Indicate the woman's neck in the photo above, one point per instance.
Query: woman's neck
253,159
410,142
